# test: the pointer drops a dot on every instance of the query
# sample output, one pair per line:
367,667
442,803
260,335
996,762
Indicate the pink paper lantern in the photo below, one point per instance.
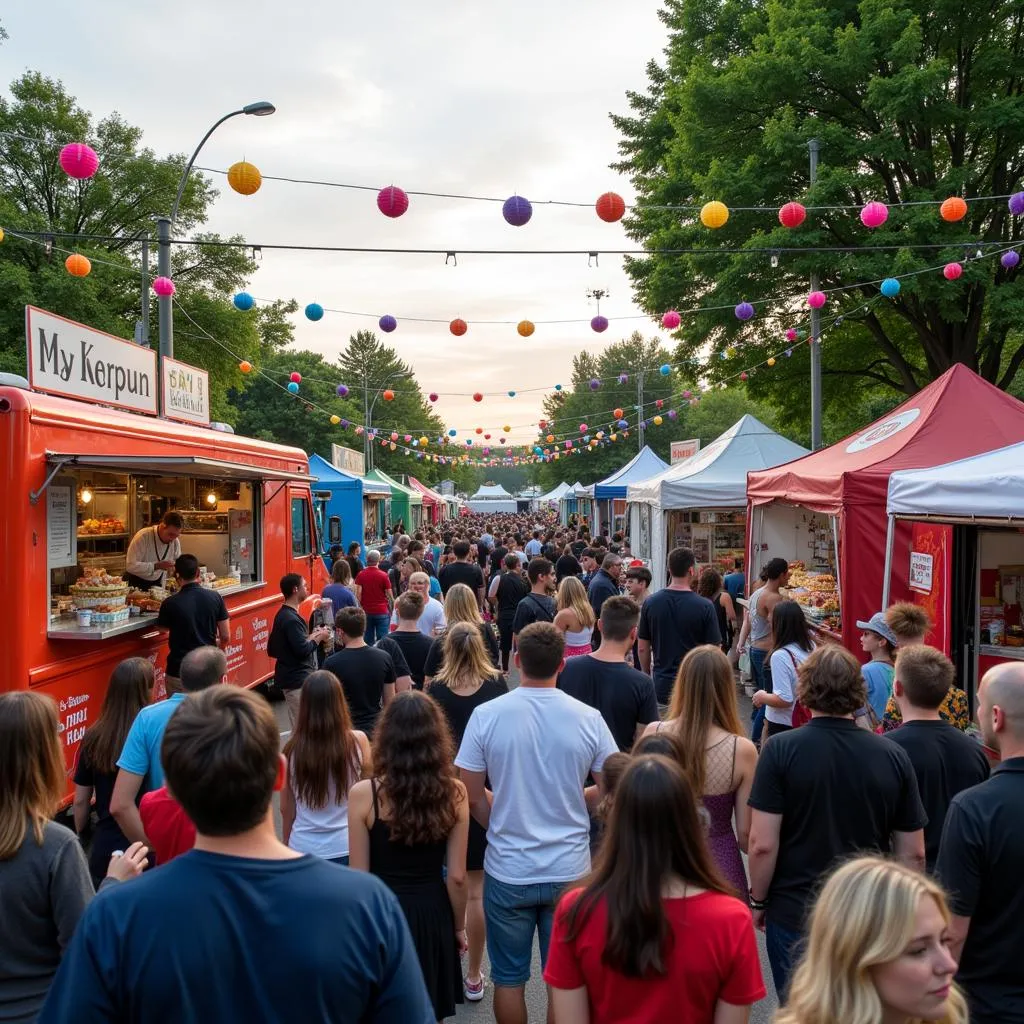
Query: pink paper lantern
816,300
163,286
392,201
671,320
874,215
79,160
791,334
951,271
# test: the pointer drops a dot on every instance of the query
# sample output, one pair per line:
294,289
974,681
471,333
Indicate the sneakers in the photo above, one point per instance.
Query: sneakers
474,993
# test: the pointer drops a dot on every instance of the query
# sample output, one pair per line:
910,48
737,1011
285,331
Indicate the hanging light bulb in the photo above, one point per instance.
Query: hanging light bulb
86,495
775,260
211,498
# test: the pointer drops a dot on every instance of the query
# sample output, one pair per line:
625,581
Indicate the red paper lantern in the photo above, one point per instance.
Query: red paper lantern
792,215
951,271
389,395
477,397
610,207
458,327
296,377
953,209
392,201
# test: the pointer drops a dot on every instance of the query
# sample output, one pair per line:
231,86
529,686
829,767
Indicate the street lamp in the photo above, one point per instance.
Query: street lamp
368,413
165,227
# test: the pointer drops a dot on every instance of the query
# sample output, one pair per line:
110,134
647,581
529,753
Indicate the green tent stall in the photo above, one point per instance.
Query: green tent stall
406,503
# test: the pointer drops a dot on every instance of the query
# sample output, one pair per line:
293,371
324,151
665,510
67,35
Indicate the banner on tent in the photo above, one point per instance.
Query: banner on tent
684,449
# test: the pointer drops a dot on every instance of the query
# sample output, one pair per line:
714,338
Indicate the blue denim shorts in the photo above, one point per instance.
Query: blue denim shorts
513,912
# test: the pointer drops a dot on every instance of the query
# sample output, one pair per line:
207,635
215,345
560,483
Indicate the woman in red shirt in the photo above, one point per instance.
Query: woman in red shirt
654,935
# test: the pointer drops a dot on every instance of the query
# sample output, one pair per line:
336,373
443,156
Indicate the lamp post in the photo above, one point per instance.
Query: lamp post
368,413
165,228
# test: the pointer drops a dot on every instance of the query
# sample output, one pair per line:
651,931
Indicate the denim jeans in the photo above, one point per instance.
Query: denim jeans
376,628
514,913
758,659
783,948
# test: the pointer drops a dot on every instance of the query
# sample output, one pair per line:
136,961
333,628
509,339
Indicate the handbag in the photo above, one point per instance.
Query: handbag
801,715
745,663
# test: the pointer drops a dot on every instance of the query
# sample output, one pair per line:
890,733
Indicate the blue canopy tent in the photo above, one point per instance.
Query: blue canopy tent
610,493
339,502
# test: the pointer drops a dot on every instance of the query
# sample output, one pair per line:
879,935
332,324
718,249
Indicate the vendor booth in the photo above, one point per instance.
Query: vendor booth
338,503
578,501
406,504
555,495
610,493
435,508
492,498
962,559
826,513
701,502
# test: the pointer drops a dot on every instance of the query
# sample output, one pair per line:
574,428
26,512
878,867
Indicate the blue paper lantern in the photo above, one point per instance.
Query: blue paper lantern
558,387
537,450
314,311
387,323
293,387
517,211
665,370
244,301
511,394
623,424
452,433
890,288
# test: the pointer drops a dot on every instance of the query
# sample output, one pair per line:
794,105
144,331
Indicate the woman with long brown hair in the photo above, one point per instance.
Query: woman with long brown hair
409,822
655,933
44,879
711,587
130,689
718,759
466,680
326,758
460,605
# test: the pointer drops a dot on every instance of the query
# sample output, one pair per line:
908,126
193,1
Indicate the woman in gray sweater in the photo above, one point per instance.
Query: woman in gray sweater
44,879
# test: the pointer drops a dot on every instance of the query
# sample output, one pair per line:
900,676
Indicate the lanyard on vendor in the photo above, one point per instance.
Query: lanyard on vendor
167,546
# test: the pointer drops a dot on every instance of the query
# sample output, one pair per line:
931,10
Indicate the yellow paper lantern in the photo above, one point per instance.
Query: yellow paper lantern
525,328
244,178
335,420
551,438
78,265
424,442
1,234
614,437
714,214
392,445
771,361
506,428
658,421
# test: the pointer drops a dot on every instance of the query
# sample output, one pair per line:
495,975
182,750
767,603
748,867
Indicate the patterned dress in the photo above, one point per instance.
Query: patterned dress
953,709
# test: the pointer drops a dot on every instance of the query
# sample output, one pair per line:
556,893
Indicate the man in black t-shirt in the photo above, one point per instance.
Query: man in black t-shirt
367,675
537,606
603,680
462,570
413,645
194,617
821,793
945,760
980,860
672,622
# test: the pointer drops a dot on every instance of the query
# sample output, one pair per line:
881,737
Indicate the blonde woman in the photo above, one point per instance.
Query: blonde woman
465,680
574,616
719,760
461,606
877,951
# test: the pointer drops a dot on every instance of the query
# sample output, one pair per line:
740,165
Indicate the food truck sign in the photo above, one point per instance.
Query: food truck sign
186,393
69,359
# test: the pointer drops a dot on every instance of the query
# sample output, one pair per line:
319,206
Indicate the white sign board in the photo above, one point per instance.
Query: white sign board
921,572
61,545
75,361
348,460
684,449
186,393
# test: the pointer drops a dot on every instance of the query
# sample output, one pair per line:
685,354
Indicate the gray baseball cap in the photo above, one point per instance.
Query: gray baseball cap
877,624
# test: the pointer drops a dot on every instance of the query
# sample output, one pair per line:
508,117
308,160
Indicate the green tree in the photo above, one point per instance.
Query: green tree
912,101
119,204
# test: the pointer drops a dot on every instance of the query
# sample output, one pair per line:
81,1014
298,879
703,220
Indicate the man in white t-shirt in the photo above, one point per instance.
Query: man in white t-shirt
537,745
432,622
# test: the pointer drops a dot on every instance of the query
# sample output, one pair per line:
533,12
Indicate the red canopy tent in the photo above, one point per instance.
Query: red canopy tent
433,501
958,415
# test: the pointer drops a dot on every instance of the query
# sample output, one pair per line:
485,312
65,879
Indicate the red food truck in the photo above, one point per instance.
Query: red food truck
81,479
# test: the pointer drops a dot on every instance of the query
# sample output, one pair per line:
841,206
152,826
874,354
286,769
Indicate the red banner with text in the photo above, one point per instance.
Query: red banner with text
930,579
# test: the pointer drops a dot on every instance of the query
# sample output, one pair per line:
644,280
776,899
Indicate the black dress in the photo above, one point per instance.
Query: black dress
457,709
108,836
723,622
414,875
435,657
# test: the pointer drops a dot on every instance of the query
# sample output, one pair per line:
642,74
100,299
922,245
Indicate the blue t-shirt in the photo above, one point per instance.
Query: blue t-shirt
208,937
435,587
340,596
141,752
734,584
878,676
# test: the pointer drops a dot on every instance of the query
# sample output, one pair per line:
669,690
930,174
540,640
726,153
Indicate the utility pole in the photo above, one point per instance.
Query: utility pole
640,410
367,453
815,330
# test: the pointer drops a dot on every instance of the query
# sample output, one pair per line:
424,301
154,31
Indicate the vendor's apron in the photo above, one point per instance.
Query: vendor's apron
140,582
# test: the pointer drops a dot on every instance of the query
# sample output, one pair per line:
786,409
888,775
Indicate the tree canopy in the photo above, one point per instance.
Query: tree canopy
912,101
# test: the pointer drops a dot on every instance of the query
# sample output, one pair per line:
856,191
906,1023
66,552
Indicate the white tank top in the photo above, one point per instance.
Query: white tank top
323,831
579,639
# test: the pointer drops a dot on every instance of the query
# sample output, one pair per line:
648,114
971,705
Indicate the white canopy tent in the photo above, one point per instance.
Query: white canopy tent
492,498
714,478
555,494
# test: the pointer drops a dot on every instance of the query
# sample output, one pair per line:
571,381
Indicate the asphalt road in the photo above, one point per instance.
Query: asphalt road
536,993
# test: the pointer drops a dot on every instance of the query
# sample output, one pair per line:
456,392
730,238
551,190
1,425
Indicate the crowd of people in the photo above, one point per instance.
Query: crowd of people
503,738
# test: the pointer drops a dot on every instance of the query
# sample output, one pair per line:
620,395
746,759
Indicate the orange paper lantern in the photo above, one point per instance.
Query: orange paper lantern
245,366
389,395
953,209
244,178
617,414
78,265
525,328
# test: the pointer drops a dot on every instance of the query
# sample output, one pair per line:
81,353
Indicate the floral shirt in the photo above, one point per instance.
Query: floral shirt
953,709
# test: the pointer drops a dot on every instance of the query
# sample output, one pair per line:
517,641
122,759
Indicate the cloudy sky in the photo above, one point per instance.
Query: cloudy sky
445,96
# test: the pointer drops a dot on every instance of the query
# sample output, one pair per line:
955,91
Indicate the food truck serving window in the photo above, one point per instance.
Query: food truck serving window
96,506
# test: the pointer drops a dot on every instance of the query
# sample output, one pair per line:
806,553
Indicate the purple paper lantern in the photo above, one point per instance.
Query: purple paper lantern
342,391
594,384
387,323
345,424
623,378
517,211
672,414
1016,204
599,324
1010,259
744,311
79,160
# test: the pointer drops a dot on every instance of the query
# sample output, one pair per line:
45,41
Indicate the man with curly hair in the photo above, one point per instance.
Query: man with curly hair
821,793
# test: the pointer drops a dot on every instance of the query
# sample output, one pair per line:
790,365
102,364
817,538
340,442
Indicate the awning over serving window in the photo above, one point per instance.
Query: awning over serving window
183,465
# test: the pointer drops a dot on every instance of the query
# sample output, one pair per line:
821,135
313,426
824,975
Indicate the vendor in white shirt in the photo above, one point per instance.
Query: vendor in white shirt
432,622
152,552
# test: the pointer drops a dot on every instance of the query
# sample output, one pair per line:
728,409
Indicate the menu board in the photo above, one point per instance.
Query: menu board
61,544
